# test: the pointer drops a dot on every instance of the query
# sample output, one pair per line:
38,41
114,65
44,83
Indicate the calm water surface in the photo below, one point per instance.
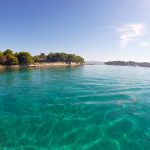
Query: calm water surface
80,108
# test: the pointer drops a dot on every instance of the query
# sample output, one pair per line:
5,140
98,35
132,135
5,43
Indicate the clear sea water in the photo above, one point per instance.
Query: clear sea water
79,108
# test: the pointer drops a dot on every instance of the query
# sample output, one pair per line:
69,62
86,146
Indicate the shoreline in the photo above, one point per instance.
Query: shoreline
41,65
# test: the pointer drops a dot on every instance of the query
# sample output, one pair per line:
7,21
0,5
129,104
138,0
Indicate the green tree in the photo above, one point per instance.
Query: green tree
79,59
40,58
71,58
11,60
57,57
24,58
36,58
8,51
63,57
1,57
16,54
50,57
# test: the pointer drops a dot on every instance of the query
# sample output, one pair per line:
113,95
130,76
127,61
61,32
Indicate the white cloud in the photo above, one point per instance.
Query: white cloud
145,44
129,33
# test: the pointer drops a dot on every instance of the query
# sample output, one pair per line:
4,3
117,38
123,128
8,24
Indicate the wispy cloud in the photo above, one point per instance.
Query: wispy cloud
129,33
145,44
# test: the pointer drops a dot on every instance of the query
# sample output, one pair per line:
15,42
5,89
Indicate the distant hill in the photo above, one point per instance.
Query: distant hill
128,63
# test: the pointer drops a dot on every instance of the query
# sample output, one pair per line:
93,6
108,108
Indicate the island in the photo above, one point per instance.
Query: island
8,58
128,63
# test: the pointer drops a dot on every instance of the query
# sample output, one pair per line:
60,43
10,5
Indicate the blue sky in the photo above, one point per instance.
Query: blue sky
95,29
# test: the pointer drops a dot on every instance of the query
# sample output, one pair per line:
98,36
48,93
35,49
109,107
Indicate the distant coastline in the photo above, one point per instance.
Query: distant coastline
120,63
128,63
10,59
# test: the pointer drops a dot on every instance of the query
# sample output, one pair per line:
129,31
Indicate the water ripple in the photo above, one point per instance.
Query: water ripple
79,108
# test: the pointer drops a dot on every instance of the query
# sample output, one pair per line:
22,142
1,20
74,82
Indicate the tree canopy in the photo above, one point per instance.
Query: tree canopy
1,57
8,51
11,60
24,58
64,57
8,57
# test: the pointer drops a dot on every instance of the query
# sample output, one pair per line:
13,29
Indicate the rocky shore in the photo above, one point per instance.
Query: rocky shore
41,65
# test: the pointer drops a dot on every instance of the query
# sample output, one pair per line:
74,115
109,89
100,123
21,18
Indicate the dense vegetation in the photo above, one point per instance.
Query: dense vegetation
128,63
8,57
58,57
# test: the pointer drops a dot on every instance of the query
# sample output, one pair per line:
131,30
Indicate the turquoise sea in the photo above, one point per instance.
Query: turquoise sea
79,108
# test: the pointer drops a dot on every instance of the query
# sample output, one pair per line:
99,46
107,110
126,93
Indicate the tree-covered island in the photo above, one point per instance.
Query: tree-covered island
10,58
128,63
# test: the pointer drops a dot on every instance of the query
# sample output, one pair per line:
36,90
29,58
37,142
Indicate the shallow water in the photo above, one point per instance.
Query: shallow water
79,108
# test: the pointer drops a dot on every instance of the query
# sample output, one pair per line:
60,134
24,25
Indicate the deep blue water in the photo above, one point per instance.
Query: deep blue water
79,108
